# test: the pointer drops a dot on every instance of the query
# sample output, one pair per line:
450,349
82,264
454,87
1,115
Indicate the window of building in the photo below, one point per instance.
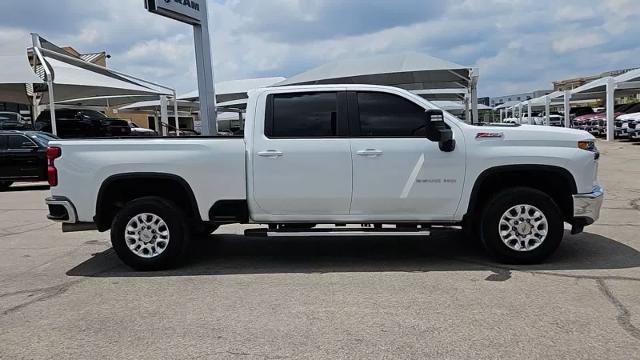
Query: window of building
303,115
385,115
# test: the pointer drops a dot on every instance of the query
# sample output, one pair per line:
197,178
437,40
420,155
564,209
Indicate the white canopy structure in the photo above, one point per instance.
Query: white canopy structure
108,101
442,94
72,78
234,89
410,71
72,82
154,105
455,106
16,71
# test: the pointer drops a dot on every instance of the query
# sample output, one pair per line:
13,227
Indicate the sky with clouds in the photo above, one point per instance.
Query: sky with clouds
519,45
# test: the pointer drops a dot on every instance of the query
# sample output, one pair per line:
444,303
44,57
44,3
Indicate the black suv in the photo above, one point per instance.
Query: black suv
82,123
23,156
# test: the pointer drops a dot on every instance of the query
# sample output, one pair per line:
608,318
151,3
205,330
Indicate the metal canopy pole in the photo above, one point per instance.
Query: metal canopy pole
467,112
156,121
501,115
567,108
175,113
611,89
529,112
547,109
49,74
520,113
164,117
474,95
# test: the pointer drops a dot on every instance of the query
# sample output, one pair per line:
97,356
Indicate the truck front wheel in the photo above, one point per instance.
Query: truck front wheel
150,233
521,226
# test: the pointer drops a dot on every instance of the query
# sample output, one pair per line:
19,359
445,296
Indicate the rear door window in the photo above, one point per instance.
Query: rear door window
303,115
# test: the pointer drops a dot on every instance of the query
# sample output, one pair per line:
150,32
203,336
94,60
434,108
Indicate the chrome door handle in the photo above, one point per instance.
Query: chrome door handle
369,152
270,153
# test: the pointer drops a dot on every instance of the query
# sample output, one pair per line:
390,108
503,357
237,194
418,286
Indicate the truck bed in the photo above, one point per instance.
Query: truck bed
214,167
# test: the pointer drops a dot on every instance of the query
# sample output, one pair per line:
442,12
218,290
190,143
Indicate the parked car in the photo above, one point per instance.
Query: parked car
390,157
82,123
184,132
596,123
140,131
622,121
14,121
23,156
579,111
555,118
634,129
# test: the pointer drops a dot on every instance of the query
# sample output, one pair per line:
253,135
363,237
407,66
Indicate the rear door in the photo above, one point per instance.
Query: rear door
22,155
301,157
399,174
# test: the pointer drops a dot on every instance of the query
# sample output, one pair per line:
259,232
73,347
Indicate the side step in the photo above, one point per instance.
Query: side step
337,232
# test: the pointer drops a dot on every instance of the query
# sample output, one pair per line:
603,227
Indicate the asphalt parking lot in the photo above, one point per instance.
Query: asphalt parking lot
68,295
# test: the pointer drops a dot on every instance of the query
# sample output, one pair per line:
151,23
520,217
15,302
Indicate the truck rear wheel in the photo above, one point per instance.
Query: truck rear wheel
521,226
150,233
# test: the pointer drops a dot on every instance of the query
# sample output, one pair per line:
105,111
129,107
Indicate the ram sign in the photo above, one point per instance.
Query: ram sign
188,11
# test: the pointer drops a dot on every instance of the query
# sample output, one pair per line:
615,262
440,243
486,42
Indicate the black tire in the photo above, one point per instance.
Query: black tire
505,200
175,221
4,185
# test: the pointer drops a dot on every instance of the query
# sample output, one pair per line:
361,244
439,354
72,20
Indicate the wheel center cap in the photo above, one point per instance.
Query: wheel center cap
524,228
146,235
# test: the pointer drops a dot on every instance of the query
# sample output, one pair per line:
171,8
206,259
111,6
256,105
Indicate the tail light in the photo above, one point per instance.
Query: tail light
52,173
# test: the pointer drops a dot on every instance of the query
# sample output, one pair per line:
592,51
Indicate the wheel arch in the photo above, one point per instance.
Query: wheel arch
541,177
182,194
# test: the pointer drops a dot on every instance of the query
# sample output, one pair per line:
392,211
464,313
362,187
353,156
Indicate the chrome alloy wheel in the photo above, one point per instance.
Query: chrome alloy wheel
523,227
147,235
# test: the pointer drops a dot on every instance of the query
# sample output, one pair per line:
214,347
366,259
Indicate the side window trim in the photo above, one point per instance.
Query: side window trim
342,125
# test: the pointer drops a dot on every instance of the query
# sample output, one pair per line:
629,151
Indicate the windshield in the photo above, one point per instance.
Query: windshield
8,117
633,108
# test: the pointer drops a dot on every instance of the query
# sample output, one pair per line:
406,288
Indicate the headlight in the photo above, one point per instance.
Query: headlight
589,145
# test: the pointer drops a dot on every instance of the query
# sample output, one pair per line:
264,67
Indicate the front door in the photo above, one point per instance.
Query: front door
301,156
399,174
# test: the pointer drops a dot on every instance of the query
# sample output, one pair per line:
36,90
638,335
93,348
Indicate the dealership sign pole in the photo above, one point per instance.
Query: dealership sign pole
194,12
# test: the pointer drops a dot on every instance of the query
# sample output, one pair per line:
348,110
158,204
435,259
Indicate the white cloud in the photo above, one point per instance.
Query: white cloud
576,41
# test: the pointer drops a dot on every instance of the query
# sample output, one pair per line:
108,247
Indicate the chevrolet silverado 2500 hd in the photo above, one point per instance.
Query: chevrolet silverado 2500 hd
331,154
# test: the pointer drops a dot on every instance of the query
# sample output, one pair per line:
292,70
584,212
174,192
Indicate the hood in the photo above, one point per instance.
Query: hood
537,133
632,116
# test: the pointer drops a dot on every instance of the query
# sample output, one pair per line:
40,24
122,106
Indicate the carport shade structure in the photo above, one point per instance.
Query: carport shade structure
74,78
16,72
410,71
227,91
607,87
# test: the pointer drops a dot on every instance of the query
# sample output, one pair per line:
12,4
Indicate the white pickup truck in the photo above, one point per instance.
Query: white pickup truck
337,155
